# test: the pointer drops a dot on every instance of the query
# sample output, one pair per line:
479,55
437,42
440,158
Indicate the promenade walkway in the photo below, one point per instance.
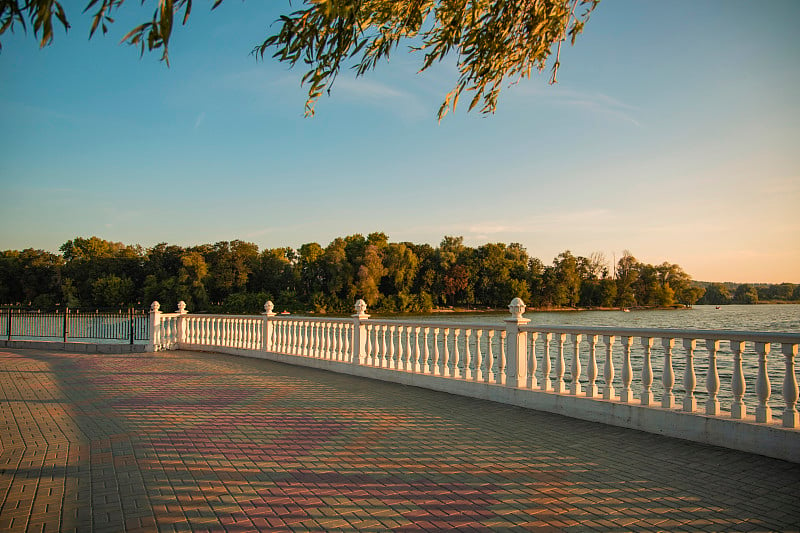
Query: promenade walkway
194,441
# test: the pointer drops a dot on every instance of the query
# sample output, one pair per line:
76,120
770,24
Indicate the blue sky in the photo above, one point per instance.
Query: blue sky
672,133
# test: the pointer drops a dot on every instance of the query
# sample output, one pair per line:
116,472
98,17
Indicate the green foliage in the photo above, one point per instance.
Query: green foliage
494,41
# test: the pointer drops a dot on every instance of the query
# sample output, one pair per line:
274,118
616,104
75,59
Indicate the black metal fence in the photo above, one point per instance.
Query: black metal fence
126,326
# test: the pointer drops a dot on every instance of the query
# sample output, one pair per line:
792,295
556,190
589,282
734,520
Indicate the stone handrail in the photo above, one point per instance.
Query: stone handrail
555,368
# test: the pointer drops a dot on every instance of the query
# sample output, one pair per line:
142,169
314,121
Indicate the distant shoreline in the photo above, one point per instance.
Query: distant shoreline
554,309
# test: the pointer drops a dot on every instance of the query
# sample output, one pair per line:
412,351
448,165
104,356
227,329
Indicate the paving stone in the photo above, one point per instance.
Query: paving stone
186,441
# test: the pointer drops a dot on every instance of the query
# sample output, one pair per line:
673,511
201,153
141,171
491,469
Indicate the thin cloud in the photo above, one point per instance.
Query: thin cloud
199,120
591,102
365,90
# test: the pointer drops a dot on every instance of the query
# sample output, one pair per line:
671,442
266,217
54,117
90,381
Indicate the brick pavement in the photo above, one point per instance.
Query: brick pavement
184,441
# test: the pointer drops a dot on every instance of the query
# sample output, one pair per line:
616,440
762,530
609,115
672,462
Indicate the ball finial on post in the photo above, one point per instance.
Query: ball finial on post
517,308
361,308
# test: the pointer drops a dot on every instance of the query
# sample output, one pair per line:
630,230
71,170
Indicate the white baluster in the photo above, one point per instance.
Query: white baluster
427,353
668,375
323,341
479,373
790,418
370,345
490,376
738,383
383,362
547,365
409,363
763,385
436,363
468,373
446,354
560,386
302,343
689,379
647,372
401,364
591,367
608,371
416,352
712,378
576,364
348,334
457,362
501,359
626,394
532,382
392,360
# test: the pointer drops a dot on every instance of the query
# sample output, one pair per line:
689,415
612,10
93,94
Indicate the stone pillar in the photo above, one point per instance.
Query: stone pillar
181,337
154,341
359,343
517,346
266,334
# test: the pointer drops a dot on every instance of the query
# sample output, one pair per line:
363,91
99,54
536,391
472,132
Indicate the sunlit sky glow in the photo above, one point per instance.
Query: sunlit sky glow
673,132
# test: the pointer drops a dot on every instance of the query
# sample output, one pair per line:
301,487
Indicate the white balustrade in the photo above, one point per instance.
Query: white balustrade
480,353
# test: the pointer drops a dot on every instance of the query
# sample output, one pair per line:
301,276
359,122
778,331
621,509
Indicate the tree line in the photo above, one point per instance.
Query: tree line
746,293
237,277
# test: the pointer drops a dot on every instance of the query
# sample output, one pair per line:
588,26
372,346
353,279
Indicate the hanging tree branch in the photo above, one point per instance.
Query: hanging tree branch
493,41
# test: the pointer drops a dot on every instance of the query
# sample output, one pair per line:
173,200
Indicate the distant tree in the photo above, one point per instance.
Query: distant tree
112,291
402,266
455,281
192,277
369,275
716,294
493,41
568,279
745,294
627,274
229,267
311,275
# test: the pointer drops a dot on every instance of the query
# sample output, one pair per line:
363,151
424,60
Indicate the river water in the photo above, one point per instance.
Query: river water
767,317
772,318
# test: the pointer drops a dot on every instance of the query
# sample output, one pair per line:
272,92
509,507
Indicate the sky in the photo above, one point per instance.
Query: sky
673,133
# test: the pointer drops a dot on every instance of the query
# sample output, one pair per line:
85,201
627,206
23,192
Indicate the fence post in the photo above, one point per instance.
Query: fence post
181,333
154,342
130,323
359,332
266,334
517,346
65,329
8,328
